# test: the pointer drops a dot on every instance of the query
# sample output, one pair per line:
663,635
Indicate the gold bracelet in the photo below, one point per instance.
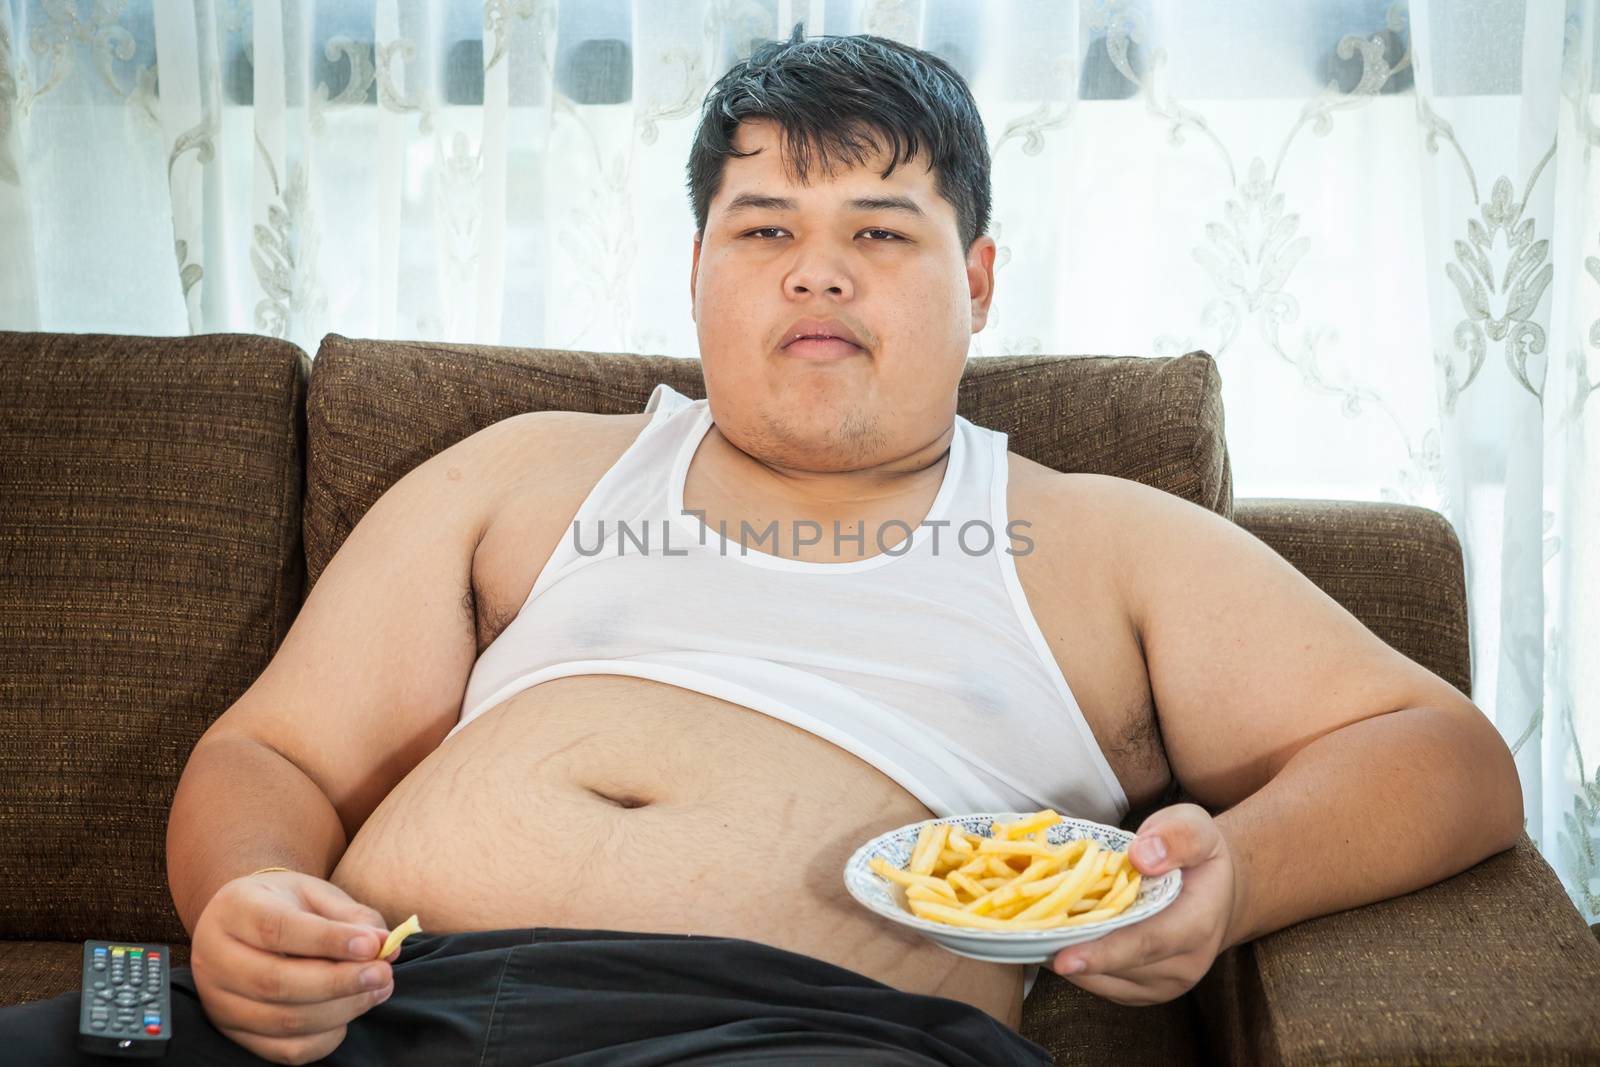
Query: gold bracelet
264,870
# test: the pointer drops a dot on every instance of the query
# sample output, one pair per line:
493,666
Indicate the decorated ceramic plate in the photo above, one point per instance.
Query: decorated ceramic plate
887,898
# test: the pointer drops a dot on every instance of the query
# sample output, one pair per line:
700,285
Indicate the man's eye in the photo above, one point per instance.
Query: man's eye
779,229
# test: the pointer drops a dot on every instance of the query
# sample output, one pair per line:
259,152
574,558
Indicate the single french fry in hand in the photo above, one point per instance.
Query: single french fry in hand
399,934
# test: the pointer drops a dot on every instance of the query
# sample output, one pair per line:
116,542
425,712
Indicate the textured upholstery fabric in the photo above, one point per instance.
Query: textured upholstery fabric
1467,971
150,564
379,408
1083,1030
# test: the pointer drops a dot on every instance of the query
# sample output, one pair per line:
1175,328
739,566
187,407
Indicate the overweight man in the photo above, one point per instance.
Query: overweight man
591,697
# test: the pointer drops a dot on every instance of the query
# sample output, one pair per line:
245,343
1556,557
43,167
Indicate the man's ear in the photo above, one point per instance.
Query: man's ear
694,274
980,279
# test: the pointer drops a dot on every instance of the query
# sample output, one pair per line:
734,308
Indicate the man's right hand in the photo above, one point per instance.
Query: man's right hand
273,962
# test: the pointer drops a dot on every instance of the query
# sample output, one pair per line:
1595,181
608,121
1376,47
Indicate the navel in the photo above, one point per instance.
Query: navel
623,800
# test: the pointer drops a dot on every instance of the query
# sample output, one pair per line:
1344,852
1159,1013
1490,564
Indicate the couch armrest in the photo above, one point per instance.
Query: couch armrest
1395,567
1492,966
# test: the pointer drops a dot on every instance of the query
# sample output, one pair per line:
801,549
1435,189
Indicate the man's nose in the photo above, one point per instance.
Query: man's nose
816,272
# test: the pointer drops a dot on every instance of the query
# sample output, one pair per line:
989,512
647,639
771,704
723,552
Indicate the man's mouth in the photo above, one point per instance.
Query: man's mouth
821,348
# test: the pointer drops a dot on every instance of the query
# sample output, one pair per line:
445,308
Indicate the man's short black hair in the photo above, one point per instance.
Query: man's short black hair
839,96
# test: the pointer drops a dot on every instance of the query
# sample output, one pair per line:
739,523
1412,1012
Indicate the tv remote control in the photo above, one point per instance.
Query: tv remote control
126,1008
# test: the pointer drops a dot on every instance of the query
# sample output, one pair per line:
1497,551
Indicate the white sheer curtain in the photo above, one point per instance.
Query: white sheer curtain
1382,219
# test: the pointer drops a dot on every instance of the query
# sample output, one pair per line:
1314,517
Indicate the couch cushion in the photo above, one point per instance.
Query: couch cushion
379,408
150,564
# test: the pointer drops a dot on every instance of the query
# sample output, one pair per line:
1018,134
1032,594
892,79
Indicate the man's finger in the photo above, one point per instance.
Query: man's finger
328,899
1153,990
1167,933
248,972
1133,946
274,926
1182,835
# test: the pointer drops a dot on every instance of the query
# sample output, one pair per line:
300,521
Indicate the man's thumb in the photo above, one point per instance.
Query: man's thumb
1177,836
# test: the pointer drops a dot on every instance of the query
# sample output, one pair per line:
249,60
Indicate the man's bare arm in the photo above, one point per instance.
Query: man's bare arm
241,806
1344,772
368,681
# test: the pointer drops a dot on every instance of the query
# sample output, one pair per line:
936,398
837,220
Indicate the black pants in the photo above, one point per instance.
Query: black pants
592,998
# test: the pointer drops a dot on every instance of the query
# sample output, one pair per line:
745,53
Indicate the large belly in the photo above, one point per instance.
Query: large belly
612,802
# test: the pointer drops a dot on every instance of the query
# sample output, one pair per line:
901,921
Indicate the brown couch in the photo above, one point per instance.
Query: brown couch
164,503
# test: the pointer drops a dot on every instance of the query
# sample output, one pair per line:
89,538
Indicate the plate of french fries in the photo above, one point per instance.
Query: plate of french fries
1007,887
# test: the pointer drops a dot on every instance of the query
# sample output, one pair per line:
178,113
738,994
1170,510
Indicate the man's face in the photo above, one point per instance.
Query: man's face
898,280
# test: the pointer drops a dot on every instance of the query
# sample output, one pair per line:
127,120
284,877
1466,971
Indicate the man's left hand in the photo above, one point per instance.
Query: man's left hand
1162,957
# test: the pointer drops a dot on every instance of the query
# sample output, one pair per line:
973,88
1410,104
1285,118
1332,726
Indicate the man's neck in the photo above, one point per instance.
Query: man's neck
847,495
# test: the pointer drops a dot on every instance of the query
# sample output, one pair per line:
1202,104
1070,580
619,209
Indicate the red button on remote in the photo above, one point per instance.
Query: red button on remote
152,1028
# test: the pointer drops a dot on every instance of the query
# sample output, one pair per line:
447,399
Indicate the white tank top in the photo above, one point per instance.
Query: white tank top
925,661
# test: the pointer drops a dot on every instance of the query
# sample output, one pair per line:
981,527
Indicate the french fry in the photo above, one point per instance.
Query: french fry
926,893
907,878
1070,890
992,846
399,934
926,850
1023,827
976,867
965,885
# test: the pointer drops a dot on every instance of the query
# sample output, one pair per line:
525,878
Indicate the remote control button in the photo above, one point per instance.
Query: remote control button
97,1024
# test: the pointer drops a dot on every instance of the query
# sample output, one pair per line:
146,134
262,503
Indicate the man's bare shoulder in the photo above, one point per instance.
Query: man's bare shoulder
1072,506
550,445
